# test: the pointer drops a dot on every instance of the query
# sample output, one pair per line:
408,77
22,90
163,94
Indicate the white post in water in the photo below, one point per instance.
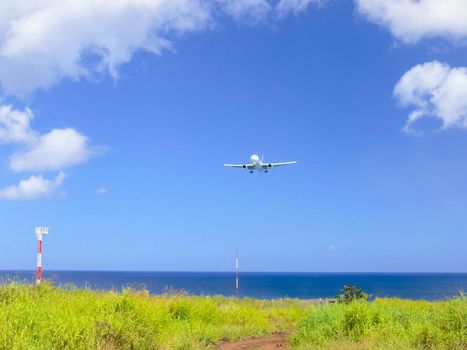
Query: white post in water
236,272
40,232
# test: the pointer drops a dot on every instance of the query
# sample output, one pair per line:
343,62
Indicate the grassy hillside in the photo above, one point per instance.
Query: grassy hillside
69,318
56,318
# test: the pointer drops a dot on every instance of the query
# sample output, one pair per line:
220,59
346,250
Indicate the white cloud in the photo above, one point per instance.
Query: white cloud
44,41
411,21
332,247
56,150
102,190
15,126
251,11
33,188
435,90
284,7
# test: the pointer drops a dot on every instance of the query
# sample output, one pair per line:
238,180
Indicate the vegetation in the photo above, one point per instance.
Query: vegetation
48,317
385,324
351,293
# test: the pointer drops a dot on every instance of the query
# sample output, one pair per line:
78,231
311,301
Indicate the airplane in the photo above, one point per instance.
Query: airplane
258,165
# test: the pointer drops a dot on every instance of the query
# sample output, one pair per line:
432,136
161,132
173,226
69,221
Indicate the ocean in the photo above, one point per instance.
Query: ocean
428,286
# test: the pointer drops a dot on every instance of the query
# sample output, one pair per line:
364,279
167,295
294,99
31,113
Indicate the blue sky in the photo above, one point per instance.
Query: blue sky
317,84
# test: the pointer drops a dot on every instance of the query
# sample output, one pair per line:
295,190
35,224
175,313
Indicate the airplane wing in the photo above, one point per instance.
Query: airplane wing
242,166
275,165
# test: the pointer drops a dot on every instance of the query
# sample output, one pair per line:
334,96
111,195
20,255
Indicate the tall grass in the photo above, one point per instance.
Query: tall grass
386,324
47,317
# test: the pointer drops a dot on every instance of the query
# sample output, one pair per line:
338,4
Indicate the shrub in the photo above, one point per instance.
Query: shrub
351,293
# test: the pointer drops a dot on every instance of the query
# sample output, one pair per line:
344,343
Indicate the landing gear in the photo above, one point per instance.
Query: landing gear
251,171
266,171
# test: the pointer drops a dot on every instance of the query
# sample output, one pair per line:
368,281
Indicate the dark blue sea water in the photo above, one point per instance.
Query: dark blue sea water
430,286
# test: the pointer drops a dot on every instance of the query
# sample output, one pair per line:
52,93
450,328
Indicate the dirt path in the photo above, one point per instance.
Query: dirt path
275,342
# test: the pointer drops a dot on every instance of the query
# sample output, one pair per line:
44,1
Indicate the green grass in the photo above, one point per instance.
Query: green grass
69,318
386,324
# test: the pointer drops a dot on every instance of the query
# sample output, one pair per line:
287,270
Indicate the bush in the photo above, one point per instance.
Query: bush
351,293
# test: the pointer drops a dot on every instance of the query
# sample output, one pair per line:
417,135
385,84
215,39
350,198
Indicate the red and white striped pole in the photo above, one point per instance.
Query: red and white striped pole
40,232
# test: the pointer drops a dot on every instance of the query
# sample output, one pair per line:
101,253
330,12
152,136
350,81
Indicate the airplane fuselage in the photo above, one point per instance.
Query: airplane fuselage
258,164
